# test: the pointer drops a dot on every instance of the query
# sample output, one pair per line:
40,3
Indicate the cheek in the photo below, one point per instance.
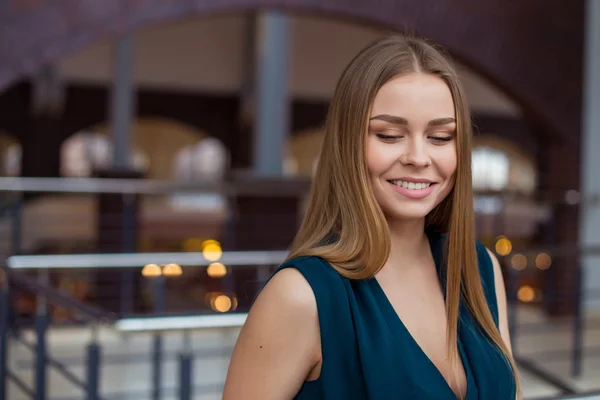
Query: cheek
448,162
375,159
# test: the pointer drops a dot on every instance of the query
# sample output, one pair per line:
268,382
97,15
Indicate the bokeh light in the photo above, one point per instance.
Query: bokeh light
526,294
151,271
172,270
503,246
543,261
211,250
216,270
519,262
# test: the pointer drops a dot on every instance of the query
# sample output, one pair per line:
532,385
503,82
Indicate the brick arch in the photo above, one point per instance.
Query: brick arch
508,44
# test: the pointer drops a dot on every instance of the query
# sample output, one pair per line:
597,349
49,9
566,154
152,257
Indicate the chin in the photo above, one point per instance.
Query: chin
412,212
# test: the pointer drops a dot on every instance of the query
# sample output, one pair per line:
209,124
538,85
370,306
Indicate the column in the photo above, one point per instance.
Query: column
271,94
267,205
123,101
117,221
590,162
117,218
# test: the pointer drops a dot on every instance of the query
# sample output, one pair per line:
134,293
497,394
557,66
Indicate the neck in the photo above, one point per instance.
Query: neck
409,244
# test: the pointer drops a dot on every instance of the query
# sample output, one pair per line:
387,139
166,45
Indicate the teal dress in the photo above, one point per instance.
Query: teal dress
368,353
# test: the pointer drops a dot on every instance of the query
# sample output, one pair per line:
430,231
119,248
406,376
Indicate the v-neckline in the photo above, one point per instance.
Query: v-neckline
392,315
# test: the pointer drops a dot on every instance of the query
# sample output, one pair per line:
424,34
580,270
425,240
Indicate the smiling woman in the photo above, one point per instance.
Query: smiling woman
386,293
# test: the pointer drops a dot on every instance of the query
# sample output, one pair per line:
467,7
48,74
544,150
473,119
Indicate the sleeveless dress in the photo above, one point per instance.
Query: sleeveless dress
368,353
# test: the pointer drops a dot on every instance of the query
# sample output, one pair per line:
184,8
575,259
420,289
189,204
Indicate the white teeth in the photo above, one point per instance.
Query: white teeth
411,185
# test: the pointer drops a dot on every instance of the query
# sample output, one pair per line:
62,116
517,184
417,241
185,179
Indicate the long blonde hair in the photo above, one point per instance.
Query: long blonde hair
345,225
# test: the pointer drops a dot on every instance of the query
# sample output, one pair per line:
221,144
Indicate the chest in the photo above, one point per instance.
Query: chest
418,301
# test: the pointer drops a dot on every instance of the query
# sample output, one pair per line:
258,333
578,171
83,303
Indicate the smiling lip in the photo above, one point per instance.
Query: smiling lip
414,180
414,193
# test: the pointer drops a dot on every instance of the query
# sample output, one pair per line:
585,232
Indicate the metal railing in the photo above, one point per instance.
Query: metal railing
183,325
46,295
158,323
161,321
63,215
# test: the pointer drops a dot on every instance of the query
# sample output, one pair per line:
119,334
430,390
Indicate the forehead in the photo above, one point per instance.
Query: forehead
414,96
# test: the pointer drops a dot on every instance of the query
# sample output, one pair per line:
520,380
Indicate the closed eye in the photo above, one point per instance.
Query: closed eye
388,138
440,140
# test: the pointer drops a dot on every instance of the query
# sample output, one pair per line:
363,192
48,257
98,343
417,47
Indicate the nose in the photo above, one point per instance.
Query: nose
415,153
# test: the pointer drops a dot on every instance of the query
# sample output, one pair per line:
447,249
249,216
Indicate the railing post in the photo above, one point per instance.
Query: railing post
578,325
157,367
41,322
185,369
41,325
93,370
159,308
16,226
128,245
4,310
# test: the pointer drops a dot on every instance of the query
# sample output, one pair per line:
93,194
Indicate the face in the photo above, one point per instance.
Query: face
411,145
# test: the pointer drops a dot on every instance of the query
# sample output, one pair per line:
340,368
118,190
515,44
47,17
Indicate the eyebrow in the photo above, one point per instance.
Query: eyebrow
393,119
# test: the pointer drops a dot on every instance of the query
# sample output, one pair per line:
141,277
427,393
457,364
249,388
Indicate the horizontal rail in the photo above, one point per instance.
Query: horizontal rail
238,182
594,395
167,392
197,259
239,185
161,324
107,185
124,260
135,357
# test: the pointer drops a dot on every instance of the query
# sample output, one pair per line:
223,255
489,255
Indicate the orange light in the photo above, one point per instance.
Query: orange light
216,270
211,250
151,271
526,294
172,270
543,261
208,242
519,262
503,246
221,303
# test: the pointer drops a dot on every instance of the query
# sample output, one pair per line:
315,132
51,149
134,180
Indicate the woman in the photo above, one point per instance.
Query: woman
373,302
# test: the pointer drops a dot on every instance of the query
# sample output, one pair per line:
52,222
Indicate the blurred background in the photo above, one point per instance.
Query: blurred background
156,157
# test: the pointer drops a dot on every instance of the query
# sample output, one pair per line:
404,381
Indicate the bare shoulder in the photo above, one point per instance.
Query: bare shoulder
287,294
291,289
279,344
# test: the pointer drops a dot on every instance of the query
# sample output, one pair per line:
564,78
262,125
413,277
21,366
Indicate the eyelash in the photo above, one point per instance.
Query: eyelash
435,138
